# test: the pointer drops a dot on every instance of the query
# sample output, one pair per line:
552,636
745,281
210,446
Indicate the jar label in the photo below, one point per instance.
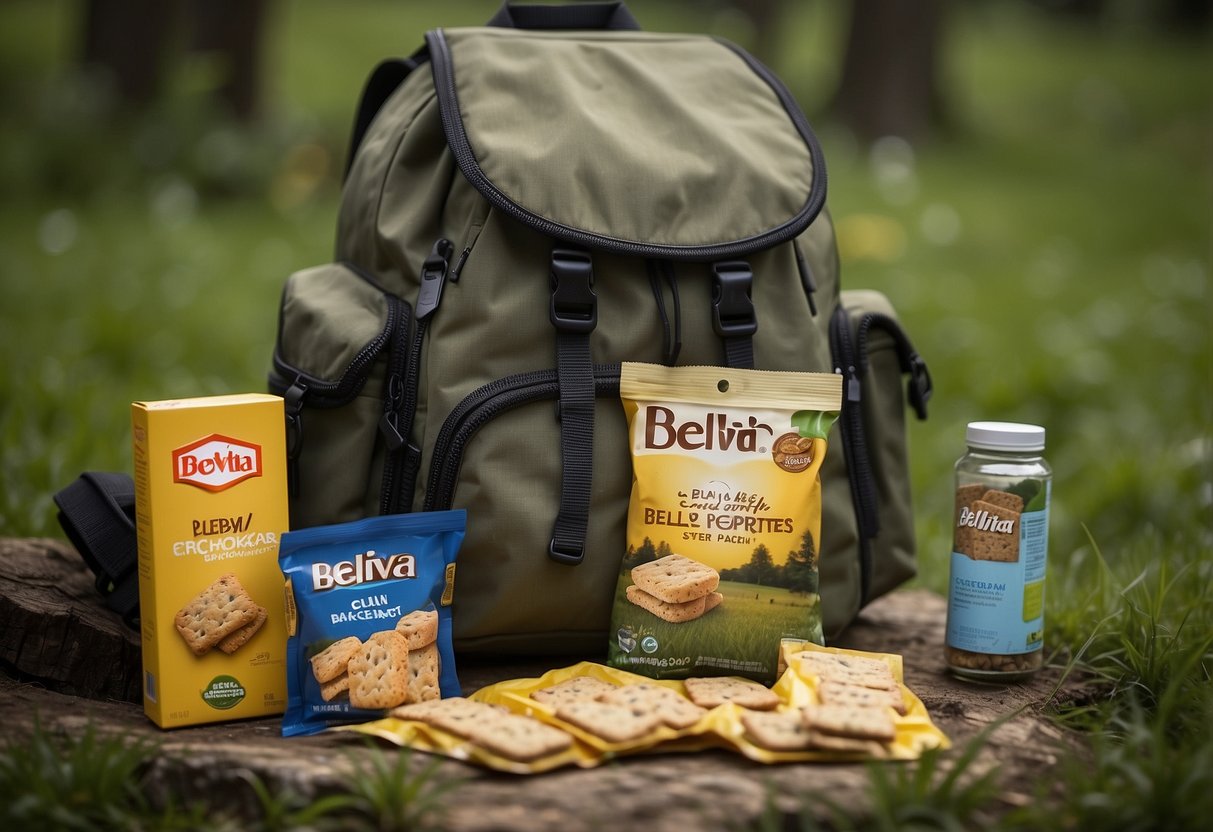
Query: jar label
996,591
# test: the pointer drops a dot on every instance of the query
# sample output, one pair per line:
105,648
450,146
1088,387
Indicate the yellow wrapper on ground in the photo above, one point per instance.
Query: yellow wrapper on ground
720,727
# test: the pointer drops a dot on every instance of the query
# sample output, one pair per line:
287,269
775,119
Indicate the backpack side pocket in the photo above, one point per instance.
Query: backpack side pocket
874,354
336,329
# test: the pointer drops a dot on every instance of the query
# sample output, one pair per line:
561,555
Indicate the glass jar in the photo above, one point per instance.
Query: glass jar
996,589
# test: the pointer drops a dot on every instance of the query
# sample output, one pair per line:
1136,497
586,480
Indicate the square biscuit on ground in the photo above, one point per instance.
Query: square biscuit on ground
776,730
675,579
665,610
519,738
419,628
851,721
832,692
379,672
711,601
215,613
331,662
673,709
455,715
613,723
576,689
233,642
711,691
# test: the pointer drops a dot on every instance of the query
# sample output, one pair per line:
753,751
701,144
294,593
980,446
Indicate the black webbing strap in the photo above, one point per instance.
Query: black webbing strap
97,512
383,81
733,315
609,15
574,314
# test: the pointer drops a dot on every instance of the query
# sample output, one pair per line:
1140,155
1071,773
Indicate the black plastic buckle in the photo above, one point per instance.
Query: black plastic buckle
569,557
433,276
919,387
574,303
732,303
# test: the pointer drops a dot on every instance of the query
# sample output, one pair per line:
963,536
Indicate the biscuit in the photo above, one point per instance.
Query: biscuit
966,495
675,579
419,628
518,737
673,709
711,601
851,721
424,665
993,544
776,731
576,689
233,642
613,723
859,671
379,671
832,692
333,688
665,610
828,742
456,715
1003,499
331,662
710,691
215,613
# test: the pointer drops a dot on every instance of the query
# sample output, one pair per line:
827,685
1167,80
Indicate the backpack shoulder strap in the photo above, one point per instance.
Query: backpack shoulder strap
383,81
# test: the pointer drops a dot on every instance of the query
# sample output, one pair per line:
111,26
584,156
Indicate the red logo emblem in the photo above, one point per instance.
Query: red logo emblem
216,462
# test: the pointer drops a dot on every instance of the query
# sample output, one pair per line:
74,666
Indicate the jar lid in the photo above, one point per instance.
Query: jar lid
1005,436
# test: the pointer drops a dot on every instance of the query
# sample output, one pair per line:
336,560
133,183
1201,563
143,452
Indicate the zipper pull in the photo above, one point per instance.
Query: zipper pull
457,269
806,277
853,386
389,423
433,276
293,410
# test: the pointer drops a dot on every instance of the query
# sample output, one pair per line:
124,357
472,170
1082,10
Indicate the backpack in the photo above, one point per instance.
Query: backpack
526,205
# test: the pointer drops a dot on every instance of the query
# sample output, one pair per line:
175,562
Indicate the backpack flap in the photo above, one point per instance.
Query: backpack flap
657,145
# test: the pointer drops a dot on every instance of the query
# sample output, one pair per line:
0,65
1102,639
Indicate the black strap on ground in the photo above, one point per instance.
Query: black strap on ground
97,512
574,314
733,315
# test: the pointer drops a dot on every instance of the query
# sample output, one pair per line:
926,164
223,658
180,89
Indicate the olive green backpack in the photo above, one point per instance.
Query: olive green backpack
527,205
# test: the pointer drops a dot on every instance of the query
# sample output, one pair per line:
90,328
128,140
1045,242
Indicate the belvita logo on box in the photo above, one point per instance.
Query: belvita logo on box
216,462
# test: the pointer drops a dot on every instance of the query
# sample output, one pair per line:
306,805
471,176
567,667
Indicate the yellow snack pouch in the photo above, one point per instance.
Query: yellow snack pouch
724,519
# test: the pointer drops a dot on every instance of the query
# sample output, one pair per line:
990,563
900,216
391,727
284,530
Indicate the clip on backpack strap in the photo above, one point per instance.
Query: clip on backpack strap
574,314
97,512
733,314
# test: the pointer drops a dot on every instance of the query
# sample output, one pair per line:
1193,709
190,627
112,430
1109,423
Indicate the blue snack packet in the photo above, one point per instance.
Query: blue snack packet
368,617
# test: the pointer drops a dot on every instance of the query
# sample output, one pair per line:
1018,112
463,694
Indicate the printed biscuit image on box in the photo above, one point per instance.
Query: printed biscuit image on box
211,507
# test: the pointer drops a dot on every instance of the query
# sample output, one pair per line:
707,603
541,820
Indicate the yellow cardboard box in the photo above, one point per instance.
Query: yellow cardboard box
211,504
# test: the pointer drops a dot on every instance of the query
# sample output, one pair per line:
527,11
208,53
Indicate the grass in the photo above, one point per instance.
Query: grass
1048,251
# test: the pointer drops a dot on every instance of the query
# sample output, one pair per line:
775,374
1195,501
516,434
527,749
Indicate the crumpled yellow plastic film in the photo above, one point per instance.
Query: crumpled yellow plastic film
720,727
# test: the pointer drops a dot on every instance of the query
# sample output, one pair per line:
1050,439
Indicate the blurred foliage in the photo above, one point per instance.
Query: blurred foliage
1049,253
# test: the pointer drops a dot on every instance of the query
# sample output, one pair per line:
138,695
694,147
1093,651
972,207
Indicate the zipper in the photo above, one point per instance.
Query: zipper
465,158
483,405
854,445
850,353
404,456
299,389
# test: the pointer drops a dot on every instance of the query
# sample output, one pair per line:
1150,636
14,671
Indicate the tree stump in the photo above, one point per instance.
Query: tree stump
69,663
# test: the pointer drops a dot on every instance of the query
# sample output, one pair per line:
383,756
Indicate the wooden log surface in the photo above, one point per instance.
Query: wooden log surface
69,662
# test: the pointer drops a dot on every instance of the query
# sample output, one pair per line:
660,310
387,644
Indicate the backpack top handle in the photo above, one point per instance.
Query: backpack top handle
611,15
